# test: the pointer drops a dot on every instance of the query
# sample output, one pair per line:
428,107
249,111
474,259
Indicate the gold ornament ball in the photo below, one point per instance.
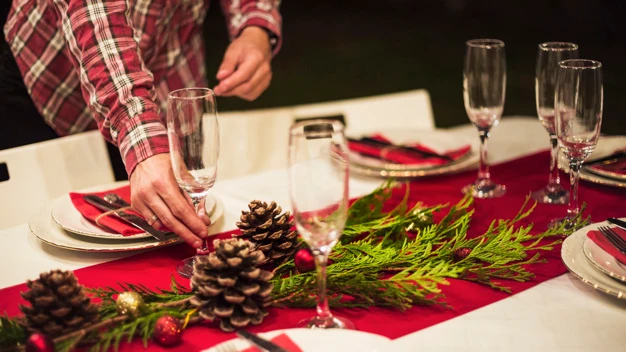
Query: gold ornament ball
129,303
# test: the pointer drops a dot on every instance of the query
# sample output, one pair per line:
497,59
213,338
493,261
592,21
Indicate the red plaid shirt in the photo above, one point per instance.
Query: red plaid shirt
112,63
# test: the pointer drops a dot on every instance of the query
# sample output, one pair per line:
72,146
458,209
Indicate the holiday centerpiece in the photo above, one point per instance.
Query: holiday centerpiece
390,255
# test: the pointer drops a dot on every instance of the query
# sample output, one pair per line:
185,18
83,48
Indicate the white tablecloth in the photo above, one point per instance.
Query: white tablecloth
561,314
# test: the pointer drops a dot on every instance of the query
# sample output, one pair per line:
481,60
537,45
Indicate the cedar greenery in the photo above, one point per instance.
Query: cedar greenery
397,258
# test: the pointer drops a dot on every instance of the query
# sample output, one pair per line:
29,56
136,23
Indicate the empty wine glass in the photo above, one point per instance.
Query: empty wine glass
318,185
578,111
548,57
193,135
484,85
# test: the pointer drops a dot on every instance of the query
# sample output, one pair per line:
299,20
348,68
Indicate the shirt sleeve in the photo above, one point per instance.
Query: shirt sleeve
261,13
117,87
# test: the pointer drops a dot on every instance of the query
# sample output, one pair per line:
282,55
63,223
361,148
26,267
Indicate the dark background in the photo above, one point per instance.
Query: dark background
339,49
344,49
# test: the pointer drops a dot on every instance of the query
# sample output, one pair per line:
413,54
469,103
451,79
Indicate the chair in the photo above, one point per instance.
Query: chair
43,171
253,141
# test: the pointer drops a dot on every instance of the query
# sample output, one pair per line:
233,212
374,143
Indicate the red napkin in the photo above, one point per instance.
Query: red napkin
601,241
90,212
400,156
281,340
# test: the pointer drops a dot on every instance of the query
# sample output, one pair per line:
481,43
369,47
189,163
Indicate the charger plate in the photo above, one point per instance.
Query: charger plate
577,263
68,218
46,229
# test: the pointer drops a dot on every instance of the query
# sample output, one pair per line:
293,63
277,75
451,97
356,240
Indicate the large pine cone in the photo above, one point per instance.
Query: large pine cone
58,304
228,284
269,230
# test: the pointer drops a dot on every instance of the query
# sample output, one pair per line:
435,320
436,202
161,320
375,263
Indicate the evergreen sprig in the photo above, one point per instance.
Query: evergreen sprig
401,257
12,332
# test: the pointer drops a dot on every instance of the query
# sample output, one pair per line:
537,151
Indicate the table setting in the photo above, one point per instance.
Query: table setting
390,240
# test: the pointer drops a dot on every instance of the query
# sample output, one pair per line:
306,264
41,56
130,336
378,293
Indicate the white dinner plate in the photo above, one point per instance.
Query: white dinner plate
446,140
576,262
43,227
603,260
67,217
606,146
319,340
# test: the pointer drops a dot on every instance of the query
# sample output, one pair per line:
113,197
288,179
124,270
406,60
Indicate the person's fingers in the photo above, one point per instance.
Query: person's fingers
229,63
169,220
255,86
201,209
202,213
245,71
178,206
144,210
258,88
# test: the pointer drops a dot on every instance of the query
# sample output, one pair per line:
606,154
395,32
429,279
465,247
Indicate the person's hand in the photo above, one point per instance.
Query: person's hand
246,71
154,191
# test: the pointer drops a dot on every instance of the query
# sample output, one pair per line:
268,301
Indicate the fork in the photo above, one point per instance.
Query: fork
614,238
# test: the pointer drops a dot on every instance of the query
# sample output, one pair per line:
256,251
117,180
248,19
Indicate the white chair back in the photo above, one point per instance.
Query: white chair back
253,141
43,171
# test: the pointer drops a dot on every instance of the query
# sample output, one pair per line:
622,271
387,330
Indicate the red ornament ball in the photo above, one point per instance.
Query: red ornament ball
461,253
304,260
39,343
167,330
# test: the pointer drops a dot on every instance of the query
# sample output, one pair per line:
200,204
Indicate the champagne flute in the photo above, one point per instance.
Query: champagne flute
193,135
318,186
548,57
484,84
578,112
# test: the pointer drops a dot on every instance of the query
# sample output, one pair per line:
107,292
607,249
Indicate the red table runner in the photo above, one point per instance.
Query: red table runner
521,176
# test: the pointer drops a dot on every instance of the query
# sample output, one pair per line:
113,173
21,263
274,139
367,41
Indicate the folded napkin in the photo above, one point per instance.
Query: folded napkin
601,241
281,340
92,213
402,156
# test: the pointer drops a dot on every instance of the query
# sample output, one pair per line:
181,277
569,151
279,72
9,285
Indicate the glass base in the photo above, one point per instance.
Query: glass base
485,188
569,224
551,194
185,267
326,323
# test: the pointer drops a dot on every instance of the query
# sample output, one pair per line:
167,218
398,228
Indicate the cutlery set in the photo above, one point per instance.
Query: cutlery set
114,204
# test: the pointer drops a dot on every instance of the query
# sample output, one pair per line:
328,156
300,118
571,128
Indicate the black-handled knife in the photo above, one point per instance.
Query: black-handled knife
260,342
134,220
620,223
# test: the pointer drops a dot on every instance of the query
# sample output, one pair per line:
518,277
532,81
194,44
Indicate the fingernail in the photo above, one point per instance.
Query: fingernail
222,72
197,244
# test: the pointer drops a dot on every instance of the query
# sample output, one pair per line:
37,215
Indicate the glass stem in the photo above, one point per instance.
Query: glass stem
574,172
483,170
554,178
321,259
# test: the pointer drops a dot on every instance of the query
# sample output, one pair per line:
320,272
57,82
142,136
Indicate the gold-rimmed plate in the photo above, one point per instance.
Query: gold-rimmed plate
577,263
446,140
45,229
603,261
68,218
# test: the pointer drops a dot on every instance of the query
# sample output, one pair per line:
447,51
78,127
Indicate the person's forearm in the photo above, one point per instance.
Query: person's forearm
115,84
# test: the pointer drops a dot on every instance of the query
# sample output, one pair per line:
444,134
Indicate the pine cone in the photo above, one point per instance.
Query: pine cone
228,284
269,231
58,304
